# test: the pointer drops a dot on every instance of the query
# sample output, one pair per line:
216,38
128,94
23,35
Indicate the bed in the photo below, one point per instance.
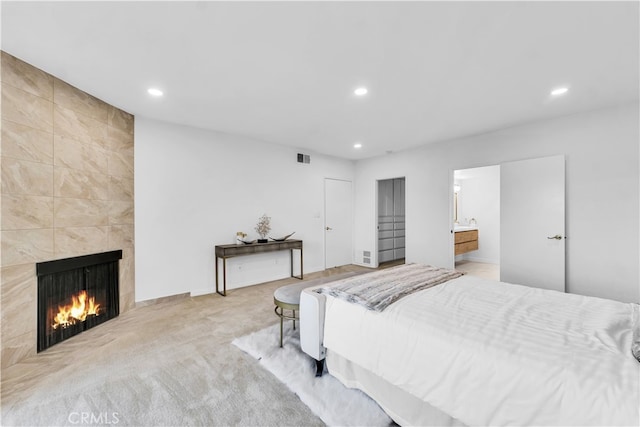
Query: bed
470,351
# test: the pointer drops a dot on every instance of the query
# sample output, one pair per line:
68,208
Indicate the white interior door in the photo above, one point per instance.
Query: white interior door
338,222
532,222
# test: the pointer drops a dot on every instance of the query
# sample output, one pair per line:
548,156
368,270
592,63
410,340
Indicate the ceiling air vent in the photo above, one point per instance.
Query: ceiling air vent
304,158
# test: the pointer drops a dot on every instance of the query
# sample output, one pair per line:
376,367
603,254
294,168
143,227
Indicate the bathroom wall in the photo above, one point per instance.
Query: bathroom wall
67,190
479,198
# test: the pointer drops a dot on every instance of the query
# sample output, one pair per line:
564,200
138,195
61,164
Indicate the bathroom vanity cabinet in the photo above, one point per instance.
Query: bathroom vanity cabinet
466,241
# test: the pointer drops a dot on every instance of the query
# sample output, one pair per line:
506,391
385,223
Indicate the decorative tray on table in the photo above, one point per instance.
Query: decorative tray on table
282,239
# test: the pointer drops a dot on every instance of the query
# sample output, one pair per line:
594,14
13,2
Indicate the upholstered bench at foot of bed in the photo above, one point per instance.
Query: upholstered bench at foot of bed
288,298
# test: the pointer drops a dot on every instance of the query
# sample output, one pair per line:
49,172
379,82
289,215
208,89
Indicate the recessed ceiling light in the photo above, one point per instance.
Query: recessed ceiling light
357,145
559,91
361,91
154,91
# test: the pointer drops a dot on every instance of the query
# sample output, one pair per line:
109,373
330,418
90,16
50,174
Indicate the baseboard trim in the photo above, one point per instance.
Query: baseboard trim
201,292
482,260
155,301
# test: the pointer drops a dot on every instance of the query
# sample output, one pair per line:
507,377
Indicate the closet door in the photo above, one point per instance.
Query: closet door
338,235
532,222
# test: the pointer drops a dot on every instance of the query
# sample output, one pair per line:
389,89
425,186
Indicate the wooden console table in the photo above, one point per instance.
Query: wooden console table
230,251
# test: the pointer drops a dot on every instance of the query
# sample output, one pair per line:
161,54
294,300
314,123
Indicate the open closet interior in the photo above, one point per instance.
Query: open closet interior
391,225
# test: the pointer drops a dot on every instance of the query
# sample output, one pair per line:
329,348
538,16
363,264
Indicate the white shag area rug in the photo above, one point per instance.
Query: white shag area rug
328,398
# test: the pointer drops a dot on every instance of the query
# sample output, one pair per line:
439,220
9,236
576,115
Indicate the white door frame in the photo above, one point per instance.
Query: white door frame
377,215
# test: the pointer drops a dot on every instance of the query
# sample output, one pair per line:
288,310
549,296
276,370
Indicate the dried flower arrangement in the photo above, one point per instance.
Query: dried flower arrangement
263,227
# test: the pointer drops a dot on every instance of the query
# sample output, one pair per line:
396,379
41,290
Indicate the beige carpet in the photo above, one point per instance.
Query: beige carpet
334,403
168,364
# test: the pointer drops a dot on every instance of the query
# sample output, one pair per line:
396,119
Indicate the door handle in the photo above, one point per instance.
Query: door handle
556,237
329,228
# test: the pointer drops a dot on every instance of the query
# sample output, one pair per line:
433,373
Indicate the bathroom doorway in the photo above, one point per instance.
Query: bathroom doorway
516,214
476,219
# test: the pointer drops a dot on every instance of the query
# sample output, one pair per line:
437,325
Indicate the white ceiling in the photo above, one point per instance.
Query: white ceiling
285,72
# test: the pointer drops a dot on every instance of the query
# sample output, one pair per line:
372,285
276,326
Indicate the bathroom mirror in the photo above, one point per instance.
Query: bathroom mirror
455,207
456,190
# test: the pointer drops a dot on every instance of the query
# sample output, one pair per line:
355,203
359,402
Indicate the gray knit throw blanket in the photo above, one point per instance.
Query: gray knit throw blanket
376,291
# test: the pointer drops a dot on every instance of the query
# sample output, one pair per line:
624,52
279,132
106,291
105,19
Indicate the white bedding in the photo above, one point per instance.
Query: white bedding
488,353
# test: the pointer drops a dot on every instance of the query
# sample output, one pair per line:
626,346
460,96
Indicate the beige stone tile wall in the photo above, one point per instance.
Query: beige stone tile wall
66,189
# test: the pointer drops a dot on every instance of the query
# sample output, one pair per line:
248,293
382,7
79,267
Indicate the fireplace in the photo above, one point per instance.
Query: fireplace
76,294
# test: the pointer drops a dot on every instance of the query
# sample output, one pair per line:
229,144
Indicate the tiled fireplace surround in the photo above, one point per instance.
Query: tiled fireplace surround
66,164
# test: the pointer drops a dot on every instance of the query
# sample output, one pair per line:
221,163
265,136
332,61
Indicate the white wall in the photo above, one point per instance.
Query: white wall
479,198
195,189
602,190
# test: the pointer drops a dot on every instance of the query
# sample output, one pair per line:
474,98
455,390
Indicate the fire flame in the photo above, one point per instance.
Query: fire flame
78,310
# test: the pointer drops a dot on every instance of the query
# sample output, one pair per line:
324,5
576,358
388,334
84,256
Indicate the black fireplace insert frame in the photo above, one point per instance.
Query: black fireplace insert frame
86,267
66,264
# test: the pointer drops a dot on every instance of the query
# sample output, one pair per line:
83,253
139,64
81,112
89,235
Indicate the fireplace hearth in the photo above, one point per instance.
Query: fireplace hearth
76,294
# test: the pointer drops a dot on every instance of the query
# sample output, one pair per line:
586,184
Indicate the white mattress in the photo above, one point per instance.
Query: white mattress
488,353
